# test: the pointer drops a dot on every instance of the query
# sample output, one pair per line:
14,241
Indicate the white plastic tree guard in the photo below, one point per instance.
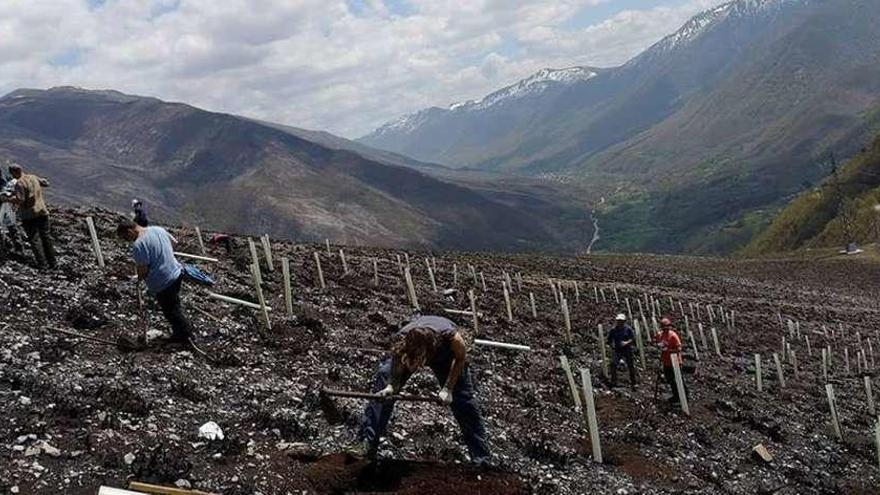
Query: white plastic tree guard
201,241
679,384
288,295
759,376
320,271
532,304
232,300
473,301
196,257
267,251
832,405
96,244
502,345
569,376
590,411
411,289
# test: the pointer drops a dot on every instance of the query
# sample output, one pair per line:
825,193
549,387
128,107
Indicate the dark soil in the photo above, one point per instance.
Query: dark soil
116,416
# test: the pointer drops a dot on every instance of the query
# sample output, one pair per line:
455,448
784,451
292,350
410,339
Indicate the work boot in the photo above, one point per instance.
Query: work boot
178,338
363,449
485,463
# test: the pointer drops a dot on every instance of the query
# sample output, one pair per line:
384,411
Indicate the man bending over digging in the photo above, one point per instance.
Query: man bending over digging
430,341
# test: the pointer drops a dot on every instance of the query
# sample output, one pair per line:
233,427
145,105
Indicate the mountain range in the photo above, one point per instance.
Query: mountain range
237,174
691,145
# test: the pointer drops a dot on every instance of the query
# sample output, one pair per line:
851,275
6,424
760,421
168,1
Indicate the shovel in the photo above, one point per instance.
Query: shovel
142,310
124,344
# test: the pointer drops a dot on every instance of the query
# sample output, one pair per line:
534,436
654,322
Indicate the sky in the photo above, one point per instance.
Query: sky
345,66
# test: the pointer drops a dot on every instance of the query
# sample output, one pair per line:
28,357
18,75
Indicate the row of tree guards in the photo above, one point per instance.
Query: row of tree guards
643,321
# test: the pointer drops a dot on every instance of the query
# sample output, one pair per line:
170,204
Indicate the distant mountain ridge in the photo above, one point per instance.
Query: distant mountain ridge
692,137
537,83
231,173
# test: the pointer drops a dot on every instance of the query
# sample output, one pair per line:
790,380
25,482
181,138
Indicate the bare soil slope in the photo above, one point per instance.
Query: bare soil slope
116,416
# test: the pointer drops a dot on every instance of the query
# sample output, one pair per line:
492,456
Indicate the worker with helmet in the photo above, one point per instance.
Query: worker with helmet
621,339
670,345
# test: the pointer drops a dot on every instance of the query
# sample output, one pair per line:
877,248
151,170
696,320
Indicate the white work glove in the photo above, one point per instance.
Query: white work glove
388,391
445,396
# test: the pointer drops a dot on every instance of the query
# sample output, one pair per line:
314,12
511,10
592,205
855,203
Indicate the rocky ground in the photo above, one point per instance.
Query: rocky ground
79,414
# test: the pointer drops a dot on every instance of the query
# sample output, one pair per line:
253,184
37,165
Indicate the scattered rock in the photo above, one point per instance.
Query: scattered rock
211,431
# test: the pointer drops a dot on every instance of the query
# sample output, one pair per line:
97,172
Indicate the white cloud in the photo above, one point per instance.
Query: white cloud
345,66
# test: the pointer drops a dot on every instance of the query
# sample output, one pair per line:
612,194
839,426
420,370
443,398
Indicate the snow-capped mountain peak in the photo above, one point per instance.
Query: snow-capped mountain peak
532,85
706,20
406,123
536,83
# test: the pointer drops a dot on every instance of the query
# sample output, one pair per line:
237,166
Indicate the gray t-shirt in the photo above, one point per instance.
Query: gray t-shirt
445,330
154,250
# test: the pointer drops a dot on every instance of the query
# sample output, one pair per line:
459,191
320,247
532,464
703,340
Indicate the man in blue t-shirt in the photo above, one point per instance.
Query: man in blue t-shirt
156,265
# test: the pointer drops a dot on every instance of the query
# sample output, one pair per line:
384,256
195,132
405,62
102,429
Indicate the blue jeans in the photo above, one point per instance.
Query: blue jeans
464,408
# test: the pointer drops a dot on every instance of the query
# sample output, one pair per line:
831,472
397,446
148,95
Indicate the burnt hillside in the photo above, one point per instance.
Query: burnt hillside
78,414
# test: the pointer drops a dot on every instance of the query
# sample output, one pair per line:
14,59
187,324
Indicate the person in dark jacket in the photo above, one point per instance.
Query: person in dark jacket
621,338
139,213
431,341
34,215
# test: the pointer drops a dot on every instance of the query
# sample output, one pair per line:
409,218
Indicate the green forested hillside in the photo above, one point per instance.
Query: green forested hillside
817,218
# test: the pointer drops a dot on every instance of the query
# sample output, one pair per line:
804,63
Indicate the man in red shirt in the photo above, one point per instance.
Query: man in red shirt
670,344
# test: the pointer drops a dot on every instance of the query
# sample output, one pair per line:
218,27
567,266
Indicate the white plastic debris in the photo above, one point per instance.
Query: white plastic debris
128,458
211,431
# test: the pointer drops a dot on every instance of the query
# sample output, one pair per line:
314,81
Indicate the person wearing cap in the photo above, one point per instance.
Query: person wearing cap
670,345
33,214
139,213
621,339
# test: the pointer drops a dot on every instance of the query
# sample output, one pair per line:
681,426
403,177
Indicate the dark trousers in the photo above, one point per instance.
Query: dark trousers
169,301
37,231
9,241
625,354
669,375
464,408
227,245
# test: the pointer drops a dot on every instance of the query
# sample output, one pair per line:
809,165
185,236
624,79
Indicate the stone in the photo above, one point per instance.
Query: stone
49,449
211,431
761,453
